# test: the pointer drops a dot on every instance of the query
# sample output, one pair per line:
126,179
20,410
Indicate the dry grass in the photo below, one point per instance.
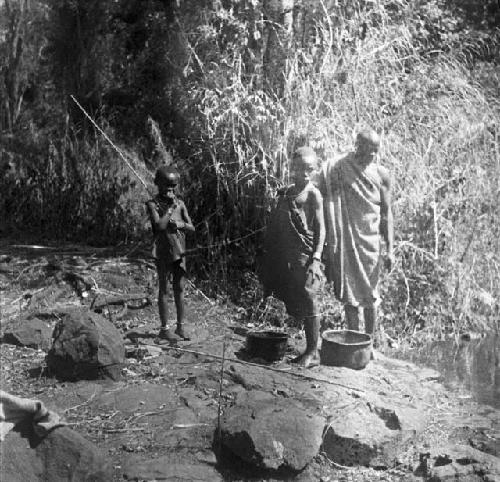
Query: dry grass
440,141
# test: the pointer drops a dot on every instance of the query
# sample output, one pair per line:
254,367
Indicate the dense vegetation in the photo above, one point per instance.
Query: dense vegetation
226,89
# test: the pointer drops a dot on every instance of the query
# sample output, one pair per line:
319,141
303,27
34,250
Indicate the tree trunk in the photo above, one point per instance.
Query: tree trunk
278,17
11,78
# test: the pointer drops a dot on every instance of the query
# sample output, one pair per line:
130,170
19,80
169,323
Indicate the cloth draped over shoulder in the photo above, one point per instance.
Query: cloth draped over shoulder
288,247
352,216
169,246
15,410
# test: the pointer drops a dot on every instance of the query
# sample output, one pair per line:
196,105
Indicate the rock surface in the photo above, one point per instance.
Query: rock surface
370,432
272,432
170,468
459,463
371,414
168,404
86,346
30,332
61,456
147,397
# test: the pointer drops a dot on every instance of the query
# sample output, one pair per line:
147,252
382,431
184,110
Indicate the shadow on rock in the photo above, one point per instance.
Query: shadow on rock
231,465
268,434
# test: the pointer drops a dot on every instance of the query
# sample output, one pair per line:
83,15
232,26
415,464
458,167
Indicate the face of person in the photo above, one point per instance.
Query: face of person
366,150
166,189
303,170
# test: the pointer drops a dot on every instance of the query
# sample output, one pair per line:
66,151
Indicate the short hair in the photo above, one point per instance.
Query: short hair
167,174
368,135
306,153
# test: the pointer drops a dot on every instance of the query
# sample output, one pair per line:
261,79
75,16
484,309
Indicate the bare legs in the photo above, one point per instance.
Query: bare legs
352,317
310,356
369,315
178,283
162,295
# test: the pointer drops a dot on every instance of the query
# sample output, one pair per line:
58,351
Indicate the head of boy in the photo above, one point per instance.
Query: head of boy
304,165
367,145
166,180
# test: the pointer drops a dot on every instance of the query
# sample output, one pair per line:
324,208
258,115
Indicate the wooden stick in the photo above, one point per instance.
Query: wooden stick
264,367
221,380
123,430
112,144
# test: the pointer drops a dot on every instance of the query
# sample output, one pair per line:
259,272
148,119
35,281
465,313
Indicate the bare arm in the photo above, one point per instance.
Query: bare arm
188,224
386,221
159,223
319,225
322,181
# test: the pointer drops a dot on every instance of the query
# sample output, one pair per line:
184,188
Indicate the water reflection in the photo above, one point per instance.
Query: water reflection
471,366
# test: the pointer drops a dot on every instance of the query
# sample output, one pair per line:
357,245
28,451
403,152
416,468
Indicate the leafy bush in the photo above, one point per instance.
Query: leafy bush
231,92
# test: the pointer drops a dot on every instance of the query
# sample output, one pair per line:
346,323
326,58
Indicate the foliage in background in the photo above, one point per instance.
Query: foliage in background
228,89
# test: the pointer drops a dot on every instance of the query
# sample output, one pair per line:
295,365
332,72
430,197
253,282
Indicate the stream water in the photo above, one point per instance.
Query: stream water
469,367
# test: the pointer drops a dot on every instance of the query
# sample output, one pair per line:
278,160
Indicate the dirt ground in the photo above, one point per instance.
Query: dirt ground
169,399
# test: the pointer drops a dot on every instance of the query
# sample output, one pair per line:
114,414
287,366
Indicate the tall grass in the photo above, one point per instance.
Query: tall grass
74,190
439,127
439,141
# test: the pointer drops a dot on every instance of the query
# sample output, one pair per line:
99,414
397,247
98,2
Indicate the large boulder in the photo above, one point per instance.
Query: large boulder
271,432
31,332
372,415
61,456
370,431
86,346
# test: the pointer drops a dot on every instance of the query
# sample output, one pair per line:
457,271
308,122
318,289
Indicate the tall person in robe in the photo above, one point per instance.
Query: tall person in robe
358,215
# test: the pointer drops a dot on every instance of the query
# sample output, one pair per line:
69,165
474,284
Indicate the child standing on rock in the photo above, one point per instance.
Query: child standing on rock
170,221
291,267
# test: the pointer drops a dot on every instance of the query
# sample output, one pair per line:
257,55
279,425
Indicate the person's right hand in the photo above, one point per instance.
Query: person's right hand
176,224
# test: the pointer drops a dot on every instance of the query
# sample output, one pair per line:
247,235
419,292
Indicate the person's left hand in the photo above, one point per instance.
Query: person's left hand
314,275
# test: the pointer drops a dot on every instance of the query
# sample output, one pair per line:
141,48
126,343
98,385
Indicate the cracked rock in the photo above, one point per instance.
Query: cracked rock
272,432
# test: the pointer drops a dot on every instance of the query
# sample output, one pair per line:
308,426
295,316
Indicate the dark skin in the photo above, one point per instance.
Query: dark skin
309,200
163,223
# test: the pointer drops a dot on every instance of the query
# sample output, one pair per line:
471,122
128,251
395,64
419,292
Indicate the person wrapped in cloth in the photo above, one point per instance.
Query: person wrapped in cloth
358,215
290,268
169,221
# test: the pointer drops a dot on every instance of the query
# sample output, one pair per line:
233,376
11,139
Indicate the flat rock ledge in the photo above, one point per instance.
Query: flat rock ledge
31,332
170,467
356,418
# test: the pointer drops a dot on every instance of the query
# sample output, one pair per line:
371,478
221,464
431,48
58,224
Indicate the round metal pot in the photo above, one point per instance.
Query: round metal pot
269,345
346,348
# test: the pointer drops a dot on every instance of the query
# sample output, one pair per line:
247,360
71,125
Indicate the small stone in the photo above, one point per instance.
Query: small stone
30,332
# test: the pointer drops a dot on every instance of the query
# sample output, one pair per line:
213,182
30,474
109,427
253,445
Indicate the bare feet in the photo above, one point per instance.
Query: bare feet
166,334
307,360
181,333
